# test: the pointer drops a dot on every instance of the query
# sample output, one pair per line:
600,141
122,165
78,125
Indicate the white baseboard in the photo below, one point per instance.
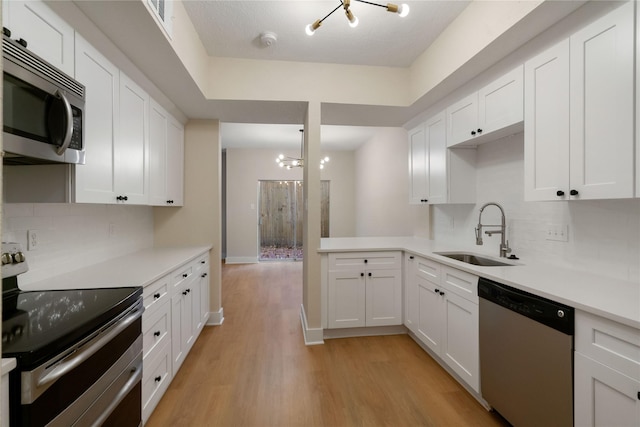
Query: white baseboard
312,336
371,331
216,317
241,260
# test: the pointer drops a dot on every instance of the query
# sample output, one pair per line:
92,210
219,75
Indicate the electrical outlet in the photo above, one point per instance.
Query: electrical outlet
33,240
557,232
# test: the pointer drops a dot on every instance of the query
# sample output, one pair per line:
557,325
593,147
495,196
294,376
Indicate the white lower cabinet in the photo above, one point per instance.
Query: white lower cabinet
176,310
442,311
606,373
364,289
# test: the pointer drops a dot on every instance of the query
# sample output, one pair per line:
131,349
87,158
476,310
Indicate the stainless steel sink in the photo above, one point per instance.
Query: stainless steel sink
474,259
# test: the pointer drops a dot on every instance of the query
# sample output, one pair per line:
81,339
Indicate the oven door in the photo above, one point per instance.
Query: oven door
97,382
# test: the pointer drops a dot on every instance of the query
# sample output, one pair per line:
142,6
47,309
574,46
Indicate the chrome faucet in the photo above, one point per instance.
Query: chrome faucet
504,244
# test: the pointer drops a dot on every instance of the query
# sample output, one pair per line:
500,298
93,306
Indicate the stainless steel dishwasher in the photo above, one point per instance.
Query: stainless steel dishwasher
526,356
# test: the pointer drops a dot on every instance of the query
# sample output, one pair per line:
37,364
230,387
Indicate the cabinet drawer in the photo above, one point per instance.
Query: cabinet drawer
461,283
155,330
156,378
201,262
610,343
156,294
182,274
427,269
369,260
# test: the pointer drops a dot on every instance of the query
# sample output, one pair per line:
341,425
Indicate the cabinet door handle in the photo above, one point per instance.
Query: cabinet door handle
156,296
573,192
473,132
441,293
158,378
185,275
369,274
188,290
411,257
366,261
156,334
361,274
204,275
203,262
436,290
559,193
184,292
479,130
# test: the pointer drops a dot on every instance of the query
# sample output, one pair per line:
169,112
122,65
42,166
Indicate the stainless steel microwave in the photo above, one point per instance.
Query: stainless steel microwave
43,110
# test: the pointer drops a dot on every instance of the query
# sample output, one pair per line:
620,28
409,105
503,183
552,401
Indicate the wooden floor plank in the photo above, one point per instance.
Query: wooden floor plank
254,369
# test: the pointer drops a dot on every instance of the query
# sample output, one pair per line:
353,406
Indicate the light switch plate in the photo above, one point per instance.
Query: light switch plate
557,232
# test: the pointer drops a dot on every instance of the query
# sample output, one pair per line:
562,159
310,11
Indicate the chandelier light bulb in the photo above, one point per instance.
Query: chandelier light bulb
353,20
311,28
403,10
326,159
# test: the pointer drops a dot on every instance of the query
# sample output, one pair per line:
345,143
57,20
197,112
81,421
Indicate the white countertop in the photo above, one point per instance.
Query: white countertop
611,298
136,269
8,364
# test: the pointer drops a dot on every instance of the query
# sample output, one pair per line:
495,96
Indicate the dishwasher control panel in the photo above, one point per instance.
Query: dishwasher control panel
550,313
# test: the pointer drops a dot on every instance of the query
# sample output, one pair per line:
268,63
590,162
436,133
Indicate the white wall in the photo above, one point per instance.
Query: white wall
604,235
245,167
382,188
75,235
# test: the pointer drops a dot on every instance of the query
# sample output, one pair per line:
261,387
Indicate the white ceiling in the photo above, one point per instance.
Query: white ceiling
233,28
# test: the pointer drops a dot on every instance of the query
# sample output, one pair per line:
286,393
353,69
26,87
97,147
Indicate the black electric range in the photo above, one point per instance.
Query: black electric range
65,342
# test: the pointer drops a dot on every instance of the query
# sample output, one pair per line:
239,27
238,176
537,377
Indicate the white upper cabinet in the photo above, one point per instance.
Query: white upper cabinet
494,111
546,123
175,163
158,119
418,166
132,145
579,141
601,107
46,34
437,174
166,158
95,180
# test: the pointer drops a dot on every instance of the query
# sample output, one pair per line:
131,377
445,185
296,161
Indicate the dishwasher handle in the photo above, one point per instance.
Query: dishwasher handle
550,313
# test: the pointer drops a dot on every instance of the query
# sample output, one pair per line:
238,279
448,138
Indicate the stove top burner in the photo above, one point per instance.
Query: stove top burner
39,324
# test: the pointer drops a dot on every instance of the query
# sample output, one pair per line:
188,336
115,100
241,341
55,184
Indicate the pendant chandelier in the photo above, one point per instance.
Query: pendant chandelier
402,10
297,162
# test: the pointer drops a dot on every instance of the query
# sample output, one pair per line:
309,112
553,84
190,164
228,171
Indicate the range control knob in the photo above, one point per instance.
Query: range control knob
18,257
6,258
561,313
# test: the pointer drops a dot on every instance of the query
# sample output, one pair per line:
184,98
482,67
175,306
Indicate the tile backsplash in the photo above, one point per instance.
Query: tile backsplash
603,235
73,235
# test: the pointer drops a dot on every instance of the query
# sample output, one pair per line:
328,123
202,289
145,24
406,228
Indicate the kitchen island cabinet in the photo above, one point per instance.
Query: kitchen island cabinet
364,289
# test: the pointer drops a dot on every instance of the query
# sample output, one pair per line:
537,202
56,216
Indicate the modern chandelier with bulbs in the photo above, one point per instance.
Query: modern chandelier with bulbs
402,10
297,162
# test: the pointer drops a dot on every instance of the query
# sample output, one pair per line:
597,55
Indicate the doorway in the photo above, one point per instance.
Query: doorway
281,218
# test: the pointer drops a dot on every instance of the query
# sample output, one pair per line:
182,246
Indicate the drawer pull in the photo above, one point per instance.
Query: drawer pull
184,292
156,334
411,257
204,275
203,262
361,274
369,274
185,275
158,378
156,296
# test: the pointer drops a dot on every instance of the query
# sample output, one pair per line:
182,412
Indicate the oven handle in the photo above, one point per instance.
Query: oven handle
69,128
136,376
77,358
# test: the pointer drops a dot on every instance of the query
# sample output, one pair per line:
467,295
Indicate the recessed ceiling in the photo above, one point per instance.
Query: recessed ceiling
233,28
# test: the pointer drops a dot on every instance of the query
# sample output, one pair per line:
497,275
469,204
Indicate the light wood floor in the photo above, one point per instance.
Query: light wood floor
254,370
